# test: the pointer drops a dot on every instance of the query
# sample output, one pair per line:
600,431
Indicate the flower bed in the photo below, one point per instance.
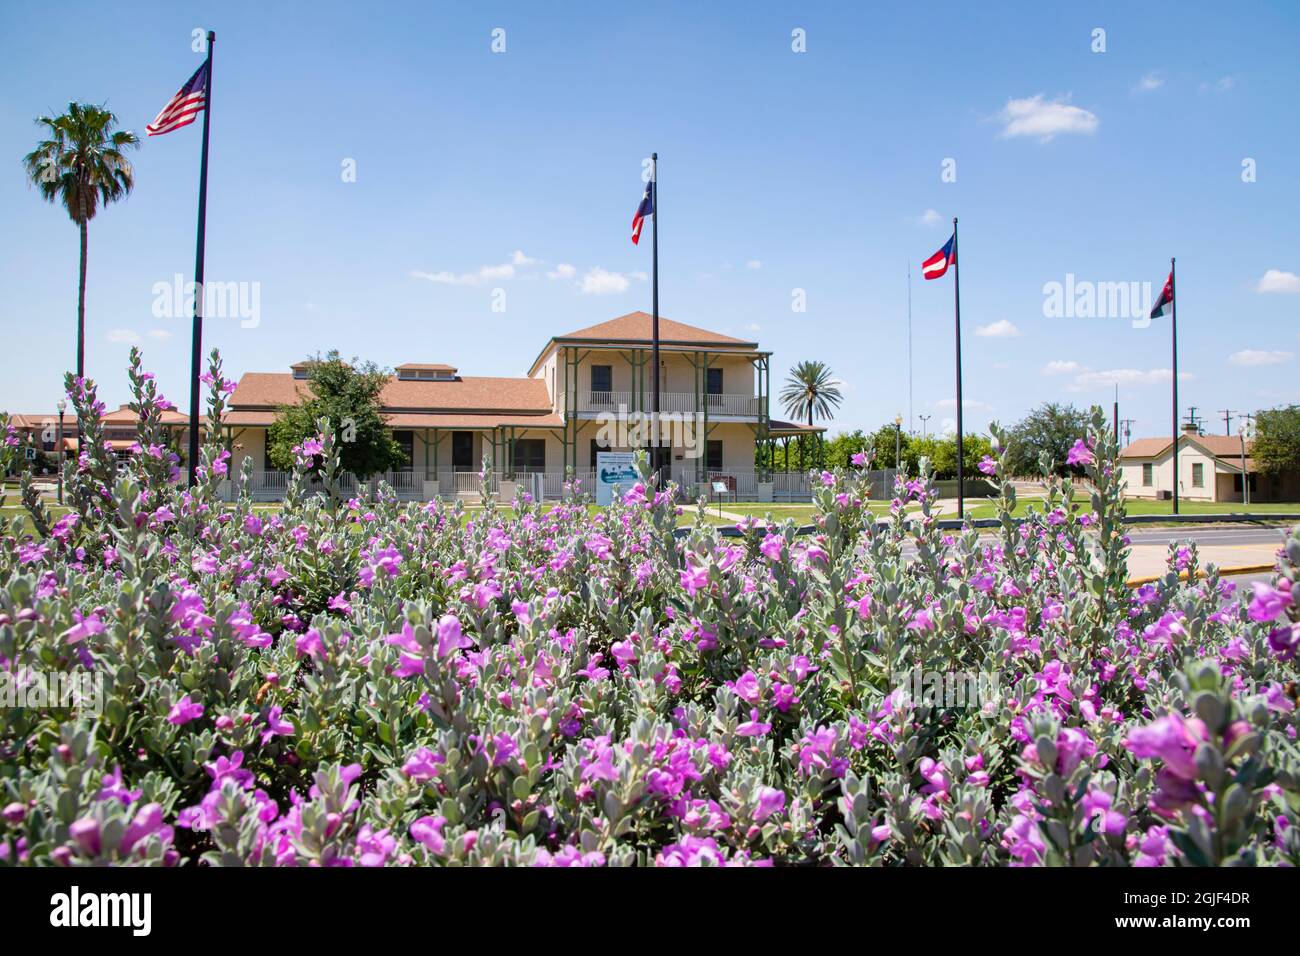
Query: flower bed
363,682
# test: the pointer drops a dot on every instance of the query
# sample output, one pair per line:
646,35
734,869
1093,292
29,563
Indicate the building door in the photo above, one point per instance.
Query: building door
462,451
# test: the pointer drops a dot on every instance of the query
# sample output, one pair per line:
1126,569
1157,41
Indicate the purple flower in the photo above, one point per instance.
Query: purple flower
1172,739
276,727
1080,454
988,465
85,832
1268,602
184,711
450,638
770,801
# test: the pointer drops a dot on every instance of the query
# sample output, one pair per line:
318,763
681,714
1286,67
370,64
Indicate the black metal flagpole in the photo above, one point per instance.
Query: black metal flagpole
956,307
1173,289
654,314
196,344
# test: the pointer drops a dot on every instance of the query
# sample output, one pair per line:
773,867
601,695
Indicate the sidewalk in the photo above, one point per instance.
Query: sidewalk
1148,560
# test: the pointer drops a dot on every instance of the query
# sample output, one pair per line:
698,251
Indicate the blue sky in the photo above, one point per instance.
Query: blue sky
778,171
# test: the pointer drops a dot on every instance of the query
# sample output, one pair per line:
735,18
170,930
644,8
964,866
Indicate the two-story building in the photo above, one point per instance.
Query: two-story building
585,391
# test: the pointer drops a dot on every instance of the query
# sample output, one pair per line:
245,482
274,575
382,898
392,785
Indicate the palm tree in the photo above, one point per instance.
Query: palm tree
82,165
810,387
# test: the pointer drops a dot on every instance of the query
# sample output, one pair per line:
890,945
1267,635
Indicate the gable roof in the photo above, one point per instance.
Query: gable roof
635,329
1219,446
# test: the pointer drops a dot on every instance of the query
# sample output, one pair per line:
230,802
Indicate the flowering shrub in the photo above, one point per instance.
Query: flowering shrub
363,682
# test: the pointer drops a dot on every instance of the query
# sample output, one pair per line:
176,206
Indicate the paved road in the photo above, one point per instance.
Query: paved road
1229,535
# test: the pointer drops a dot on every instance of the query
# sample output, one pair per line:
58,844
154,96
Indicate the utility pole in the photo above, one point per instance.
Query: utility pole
1227,420
1128,424
1192,418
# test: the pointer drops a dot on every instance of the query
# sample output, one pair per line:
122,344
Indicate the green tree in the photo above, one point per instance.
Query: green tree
82,165
1051,428
841,449
348,394
1277,439
810,389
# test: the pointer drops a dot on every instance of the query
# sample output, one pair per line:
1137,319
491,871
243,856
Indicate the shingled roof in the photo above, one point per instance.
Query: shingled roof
1220,446
269,390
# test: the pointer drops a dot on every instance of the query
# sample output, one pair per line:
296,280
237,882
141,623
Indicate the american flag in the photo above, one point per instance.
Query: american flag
184,106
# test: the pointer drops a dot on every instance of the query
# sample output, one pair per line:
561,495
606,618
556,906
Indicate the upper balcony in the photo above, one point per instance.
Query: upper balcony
721,406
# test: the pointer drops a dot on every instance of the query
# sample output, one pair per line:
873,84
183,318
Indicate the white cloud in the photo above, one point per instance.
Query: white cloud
1150,81
161,335
754,264
1250,357
929,218
640,276
1221,85
1043,119
753,327
124,337
1059,367
484,274
488,273
597,281
1001,329
562,271
1276,280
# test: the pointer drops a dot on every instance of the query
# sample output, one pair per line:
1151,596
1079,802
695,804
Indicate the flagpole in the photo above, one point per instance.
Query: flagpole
654,315
1173,289
196,341
911,427
956,306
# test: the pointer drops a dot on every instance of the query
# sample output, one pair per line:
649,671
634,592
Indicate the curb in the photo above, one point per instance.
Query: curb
1240,569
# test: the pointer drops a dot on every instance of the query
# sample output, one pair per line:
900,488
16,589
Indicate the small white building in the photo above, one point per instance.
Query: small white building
1210,468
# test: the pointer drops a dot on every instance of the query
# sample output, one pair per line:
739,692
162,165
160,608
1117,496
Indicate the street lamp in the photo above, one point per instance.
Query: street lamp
58,447
924,419
898,441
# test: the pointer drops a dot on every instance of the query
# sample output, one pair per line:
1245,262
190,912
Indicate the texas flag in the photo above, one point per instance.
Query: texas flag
647,208
1165,302
938,263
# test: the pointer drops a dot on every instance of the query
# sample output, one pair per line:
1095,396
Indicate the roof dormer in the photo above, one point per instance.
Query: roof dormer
423,372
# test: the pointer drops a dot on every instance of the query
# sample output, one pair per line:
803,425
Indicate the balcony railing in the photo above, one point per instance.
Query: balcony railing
688,403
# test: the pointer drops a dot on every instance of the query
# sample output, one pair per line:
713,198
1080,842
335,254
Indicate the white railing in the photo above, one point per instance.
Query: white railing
680,402
790,486
603,401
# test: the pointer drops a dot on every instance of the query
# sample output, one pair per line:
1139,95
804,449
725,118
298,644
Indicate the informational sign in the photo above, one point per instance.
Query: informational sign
720,488
614,468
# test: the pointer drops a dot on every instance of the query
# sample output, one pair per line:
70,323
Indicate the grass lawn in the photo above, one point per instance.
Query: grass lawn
979,508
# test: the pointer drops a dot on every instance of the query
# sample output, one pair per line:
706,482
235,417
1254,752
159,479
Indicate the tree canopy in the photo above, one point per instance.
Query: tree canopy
348,395
1051,428
1277,439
